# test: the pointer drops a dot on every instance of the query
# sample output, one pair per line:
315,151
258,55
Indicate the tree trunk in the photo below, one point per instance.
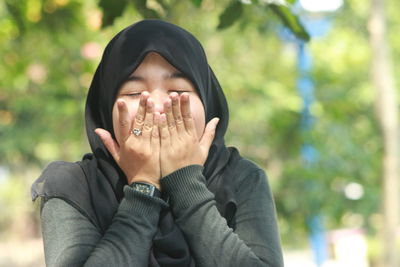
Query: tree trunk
386,105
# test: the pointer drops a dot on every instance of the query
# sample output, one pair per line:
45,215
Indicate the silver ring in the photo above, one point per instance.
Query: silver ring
136,131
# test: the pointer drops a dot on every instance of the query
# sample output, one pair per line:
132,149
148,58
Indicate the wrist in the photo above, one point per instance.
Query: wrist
144,180
146,188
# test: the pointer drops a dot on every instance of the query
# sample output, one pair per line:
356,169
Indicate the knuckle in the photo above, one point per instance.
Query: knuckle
123,123
178,120
171,125
142,154
188,121
139,119
147,126
164,136
131,150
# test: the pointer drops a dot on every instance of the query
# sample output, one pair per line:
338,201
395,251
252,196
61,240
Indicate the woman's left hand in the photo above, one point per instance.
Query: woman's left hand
180,145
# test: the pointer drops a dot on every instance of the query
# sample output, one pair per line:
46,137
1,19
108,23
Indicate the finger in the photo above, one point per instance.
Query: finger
164,133
141,111
176,111
170,118
209,134
186,114
108,142
155,135
124,121
148,120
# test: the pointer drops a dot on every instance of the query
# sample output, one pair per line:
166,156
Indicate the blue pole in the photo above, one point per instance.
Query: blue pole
309,154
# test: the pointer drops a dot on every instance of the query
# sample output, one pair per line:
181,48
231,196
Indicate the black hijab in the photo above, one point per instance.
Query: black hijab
97,191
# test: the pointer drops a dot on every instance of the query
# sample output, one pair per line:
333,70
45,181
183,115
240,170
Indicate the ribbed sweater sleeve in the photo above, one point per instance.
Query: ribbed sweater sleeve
255,241
70,239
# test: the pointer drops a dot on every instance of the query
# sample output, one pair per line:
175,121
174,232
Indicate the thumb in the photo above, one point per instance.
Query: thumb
108,142
209,133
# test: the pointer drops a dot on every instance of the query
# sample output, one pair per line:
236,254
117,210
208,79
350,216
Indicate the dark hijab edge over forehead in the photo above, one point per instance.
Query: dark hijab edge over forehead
100,180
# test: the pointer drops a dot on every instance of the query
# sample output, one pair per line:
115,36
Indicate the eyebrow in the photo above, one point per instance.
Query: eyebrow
174,75
135,78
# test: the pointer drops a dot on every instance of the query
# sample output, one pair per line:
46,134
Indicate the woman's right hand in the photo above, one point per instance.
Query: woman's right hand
137,156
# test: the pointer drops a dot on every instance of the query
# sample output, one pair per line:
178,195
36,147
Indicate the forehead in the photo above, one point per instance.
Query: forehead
154,61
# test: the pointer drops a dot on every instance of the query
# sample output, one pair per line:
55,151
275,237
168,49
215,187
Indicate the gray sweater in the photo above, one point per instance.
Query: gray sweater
70,239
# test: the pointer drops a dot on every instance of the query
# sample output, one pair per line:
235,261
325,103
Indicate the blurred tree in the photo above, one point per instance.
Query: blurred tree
345,183
41,106
387,112
231,13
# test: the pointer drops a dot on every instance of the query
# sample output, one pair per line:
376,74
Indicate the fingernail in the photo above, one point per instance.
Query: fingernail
174,97
185,96
120,103
215,123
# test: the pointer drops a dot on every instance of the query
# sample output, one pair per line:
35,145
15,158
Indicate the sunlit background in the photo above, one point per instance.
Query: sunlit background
307,112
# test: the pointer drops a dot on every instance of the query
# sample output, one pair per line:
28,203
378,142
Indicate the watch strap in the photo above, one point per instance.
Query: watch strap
147,189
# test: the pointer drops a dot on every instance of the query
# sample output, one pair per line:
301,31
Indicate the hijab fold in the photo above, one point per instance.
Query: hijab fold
94,186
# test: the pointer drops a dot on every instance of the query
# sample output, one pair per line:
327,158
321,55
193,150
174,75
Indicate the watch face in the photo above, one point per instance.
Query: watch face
144,188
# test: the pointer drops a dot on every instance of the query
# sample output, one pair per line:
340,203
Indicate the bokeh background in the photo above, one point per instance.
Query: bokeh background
311,87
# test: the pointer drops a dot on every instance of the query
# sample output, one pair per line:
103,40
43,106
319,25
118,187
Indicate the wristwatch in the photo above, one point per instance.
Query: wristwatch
146,188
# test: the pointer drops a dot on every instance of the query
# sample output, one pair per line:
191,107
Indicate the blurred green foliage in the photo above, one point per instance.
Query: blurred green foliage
50,49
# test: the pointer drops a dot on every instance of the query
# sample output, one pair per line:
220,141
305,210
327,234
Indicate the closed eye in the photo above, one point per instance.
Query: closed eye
133,94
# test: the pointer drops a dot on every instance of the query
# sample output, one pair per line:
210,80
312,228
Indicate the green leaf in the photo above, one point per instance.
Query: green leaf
230,15
146,12
17,10
291,21
111,10
197,3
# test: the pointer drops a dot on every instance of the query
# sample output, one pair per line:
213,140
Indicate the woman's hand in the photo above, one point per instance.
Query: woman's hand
180,145
137,156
